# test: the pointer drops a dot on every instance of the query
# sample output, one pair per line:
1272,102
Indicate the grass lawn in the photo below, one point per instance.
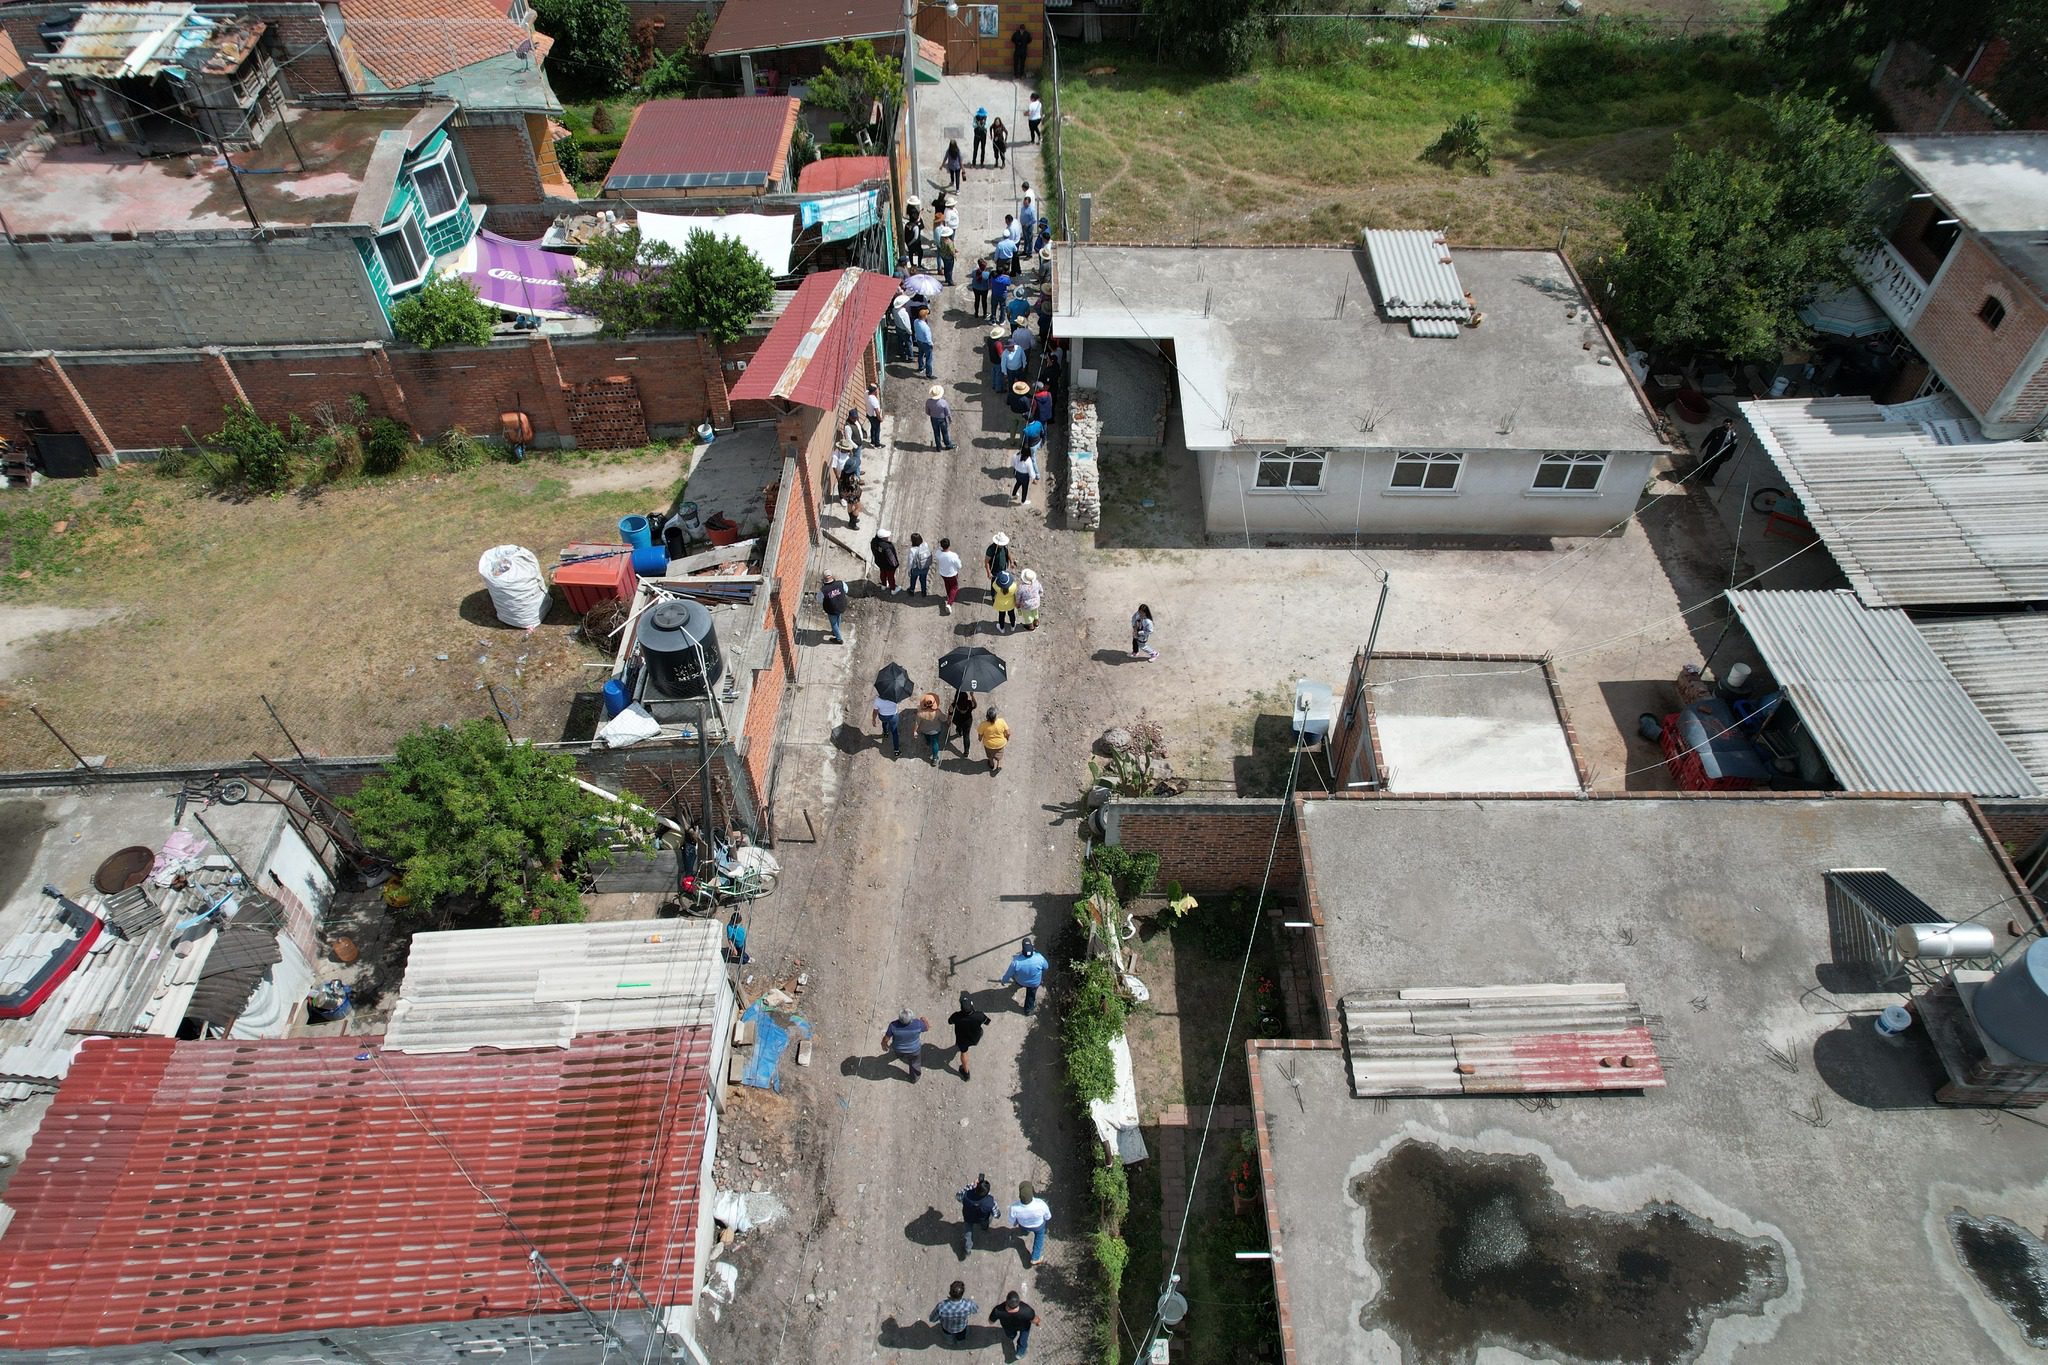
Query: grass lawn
1177,1037
1326,135
184,607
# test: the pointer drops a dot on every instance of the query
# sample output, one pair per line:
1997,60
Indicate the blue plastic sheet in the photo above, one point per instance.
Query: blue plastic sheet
771,1040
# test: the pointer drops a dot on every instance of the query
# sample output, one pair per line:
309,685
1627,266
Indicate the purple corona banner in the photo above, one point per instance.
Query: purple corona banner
518,276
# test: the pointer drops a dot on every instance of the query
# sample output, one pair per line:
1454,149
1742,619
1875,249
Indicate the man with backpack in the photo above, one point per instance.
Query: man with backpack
977,1208
832,597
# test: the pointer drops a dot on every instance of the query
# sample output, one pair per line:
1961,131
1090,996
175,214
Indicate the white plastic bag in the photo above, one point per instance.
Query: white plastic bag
630,726
519,594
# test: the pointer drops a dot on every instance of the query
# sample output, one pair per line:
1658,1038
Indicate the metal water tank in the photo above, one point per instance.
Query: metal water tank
2013,1006
681,648
1943,941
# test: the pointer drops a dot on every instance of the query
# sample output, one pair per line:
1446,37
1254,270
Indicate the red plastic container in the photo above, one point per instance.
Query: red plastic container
596,580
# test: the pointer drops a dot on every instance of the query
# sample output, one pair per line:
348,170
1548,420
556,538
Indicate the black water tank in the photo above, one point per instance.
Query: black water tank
681,647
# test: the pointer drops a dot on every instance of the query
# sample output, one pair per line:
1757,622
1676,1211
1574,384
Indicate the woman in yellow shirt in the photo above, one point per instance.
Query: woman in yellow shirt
995,737
1005,591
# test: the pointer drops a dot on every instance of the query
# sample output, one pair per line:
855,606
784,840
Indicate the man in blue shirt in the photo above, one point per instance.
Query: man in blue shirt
905,1038
955,1312
1026,969
921,336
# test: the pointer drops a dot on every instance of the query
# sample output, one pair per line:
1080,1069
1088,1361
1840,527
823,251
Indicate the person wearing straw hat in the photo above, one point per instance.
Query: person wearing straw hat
992,351
842,456
947,253
996,558
1020,392
941,412
1030,597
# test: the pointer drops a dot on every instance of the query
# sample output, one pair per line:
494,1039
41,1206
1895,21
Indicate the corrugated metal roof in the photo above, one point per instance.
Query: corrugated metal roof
2002,662
184,1191
811,353
1498,1040
1911,517
761,25
1415,276
543,985
705,137
841,173
1885,712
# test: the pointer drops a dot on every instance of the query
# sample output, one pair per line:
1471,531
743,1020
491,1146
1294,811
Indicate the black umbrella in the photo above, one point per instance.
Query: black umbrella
893,684
973,669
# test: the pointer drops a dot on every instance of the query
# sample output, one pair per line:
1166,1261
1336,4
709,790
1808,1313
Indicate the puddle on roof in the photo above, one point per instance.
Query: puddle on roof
1477,1249
2012,1266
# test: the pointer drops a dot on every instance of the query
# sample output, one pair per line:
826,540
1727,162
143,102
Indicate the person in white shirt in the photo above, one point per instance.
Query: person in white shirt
948,565
874,415
885,712
1025,468
1031,1214
1034,114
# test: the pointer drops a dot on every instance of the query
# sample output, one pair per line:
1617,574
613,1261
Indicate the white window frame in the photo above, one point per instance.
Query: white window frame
1429,459
444,162
406,229
1571,462
1291,457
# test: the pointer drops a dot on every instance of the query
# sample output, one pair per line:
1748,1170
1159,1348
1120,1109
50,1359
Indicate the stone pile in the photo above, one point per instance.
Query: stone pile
1084,479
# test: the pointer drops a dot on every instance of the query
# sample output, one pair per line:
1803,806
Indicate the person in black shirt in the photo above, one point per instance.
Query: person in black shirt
1016,1318
1021,41
967,1022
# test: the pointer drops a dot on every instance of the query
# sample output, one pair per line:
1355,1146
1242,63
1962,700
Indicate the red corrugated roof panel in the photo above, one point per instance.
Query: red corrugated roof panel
705,137
841,173
759,25
807,358
189,1190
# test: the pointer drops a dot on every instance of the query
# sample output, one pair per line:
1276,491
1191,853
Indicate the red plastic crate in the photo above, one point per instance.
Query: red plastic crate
596,580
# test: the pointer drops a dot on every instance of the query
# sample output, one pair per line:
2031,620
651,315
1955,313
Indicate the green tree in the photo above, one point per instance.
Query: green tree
593,43
716,286
854,79
675,74
1834,42
256,454
1719,256
1217,35
445,311
463,811
622,293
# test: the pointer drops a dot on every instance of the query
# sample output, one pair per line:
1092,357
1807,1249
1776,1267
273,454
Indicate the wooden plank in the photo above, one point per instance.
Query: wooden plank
704,559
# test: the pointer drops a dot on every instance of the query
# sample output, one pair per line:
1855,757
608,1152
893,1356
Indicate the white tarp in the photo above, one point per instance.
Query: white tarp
768,236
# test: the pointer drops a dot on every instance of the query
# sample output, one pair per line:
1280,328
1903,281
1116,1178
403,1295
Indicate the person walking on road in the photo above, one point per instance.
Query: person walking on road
931,728
1020,392
842,455
996,558
1026,969
832,597
1030,596
992,348
995,737
941,412
1004,589
948,253
1031,1214
1718,449
921,337
874,415
1041,404
736,940
1141,634
977,288
977,1208
980,137
888,714
967,1021
905,1038
920,565
1024,468
1034,114
951,163
963,721
955,1311
948,564
887,558
1021,41
1016,1318
999,138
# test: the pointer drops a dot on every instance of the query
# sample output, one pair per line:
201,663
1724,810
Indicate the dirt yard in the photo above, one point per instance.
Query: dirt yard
357,611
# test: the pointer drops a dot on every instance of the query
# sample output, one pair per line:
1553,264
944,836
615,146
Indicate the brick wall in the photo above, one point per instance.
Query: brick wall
96,295
997,56
674,16
1976,361
145,401
1205,844
2018,824
1924,96
499,158
302,41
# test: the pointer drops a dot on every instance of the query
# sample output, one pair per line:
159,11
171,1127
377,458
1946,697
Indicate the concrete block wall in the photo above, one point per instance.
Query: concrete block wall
1972,358
95,295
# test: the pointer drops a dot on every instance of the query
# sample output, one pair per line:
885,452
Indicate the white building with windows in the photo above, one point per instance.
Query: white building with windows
1391,390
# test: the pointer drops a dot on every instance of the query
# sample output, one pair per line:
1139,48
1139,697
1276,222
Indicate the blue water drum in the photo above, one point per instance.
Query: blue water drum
650,561
616,698
634,531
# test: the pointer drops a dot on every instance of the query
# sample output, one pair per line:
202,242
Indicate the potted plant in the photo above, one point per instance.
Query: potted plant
1244,1178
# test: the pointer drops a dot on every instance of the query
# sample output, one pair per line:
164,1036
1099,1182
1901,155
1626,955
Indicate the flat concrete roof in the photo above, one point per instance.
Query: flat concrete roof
1285,346
82,190
1468,724
1997,183
1812,1176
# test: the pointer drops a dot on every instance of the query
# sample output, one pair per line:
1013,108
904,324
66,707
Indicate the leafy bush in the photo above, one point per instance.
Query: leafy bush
597,166
250,452
445,311
1218,929
460,450
464,811
601,120
386,444
1112,1189
600,142
1112,1257
1131,873
593,44
832,149
675,74
1464,138
854,77
569,156
714,284
1091,1020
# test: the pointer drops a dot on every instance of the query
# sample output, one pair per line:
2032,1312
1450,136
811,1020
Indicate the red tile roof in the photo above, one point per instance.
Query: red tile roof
703,137
793,364
190,1190
407,42
841,173
759,25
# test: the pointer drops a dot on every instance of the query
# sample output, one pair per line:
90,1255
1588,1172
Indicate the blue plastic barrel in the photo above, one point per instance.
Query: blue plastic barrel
650,561
634,531
615,698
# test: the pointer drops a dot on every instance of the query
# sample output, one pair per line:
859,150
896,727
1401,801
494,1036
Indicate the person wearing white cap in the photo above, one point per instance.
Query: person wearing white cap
883,548
947,253
941,412
996,558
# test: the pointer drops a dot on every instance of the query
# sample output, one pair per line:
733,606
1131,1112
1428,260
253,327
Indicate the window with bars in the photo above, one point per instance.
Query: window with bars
439,193
1570,471
404,253
1300,470
1426,471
